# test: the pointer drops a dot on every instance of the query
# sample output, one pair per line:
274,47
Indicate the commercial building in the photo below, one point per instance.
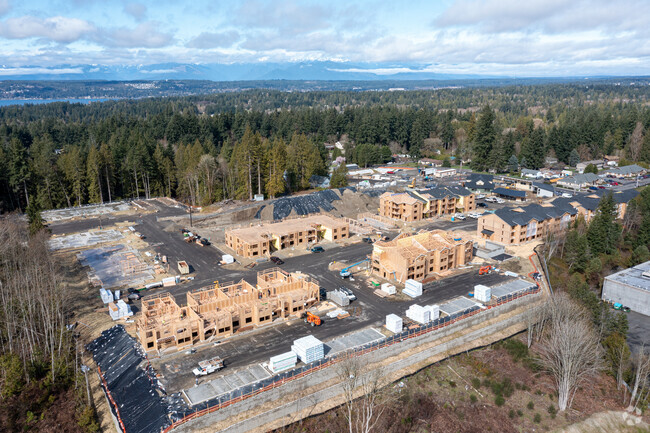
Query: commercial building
421,257
514,226
263,239
630,287
419,205
220,311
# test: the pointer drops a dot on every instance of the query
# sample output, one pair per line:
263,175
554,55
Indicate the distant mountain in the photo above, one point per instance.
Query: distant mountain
321,70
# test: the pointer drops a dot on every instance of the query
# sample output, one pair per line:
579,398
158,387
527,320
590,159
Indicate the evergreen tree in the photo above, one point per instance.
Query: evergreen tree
591,168
484,140
513,164
604,233
275,184
576,251
574,158
339,177
93,176
34,218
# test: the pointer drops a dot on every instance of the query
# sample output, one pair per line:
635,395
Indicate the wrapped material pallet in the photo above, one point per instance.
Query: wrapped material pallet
113,311
169,281
394,323
412,288
283,362
227,258
308,349
419,314
434,311
388,288
339,298
124,308
482,293
106,295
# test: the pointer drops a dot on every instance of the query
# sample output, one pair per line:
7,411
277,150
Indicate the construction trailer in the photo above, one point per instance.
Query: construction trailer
219,311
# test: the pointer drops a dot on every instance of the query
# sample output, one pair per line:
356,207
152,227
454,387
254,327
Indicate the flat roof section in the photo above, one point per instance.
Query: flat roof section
511,287
353,340
633,276
225,384
457,305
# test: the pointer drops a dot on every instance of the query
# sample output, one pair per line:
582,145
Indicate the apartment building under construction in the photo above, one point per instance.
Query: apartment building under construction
423,256
415,205
263,239
220,311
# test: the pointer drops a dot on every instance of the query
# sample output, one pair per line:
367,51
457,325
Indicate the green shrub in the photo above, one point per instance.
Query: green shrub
530,405
516,349
476,382
511,413
473,398
452,384
87,420
537,418
552,410
520,413
499,400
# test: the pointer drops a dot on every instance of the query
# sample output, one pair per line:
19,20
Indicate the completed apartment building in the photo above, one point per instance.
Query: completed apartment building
263,239
418,205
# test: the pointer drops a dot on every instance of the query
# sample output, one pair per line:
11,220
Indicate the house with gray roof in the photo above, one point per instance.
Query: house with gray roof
625,171
579,181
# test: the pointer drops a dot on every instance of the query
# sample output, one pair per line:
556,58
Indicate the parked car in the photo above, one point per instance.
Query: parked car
367,240
481,205
134,296
480,196
491,199
601,187
277,260
473,215
317,249
459,216
615,183
566,195
500,200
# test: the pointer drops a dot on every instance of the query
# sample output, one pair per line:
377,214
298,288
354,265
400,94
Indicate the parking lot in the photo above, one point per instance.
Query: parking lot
258,345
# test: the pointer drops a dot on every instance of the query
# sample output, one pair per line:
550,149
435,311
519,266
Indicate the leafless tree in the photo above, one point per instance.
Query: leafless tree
641,362
536,319
636,142
33,299
364,411
570,349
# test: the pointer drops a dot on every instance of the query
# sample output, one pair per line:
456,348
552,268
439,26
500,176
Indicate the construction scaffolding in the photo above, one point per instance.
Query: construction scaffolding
220,311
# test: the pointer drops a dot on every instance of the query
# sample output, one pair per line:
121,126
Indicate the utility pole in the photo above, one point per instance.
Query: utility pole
190,215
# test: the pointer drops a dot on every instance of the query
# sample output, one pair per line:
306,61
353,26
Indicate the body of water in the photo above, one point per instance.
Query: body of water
6,102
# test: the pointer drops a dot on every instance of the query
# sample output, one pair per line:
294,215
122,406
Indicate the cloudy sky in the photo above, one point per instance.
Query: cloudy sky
520,37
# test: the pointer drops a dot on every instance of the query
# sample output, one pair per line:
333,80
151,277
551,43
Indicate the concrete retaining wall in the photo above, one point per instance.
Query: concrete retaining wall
319,391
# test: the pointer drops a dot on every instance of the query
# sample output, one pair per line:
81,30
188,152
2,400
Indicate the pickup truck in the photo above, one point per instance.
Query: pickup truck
208,366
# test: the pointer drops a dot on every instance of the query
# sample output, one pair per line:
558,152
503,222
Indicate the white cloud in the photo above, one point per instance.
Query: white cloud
208,40
31,71
144,35
5,6
58,29
136,10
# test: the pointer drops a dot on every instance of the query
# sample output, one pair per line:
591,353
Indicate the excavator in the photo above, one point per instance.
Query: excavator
484,270
412,184
312,319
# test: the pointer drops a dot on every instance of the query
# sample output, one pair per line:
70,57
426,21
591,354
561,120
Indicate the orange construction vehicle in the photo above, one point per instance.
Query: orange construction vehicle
485,270
313,319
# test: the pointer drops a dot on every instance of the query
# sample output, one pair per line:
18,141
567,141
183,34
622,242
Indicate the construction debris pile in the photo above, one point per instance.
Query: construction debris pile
221,310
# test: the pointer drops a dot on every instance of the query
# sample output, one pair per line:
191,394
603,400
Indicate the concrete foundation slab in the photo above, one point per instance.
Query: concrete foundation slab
85,239
457,305
84,212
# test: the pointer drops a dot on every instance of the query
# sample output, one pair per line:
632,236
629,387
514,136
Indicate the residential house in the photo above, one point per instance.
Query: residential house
531,174
625,171
510,194
579,181
599,163
541,189
430,162
481,183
